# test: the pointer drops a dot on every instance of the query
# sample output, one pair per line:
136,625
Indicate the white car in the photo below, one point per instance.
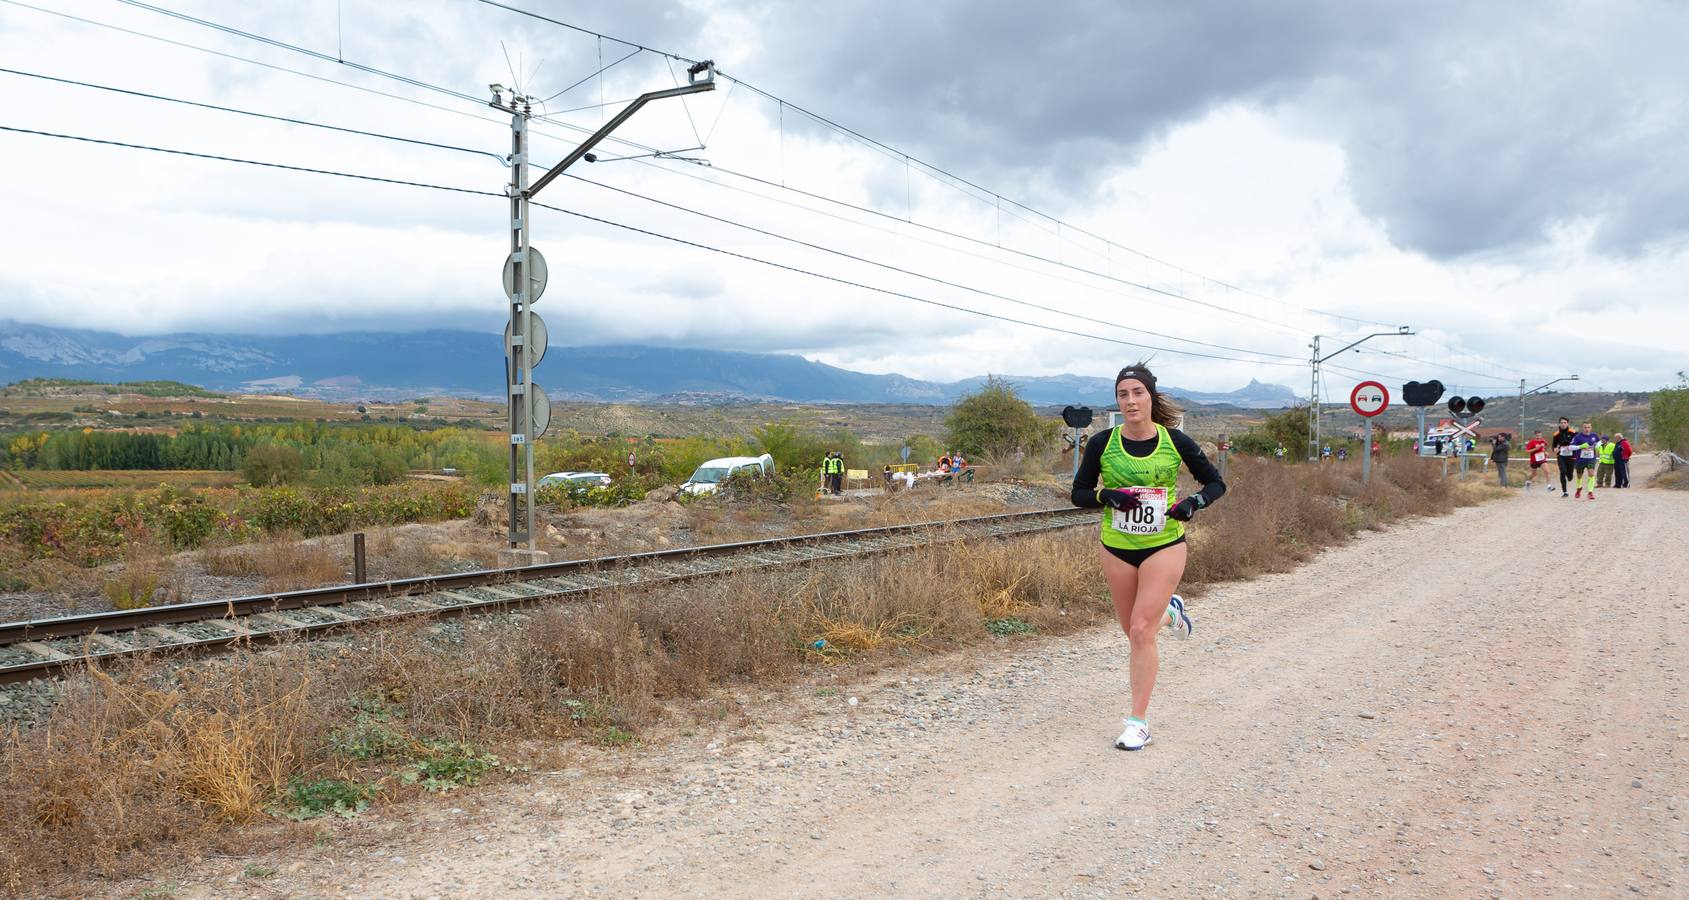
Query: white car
710,475
572,479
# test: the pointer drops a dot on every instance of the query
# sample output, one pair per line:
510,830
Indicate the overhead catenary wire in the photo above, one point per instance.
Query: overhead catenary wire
923,276
906,296
601,71
1485,360
372,70
1436,365
235,57
679,208
936,171
247,112
734,81
648,232
250,162
647,150
1024,254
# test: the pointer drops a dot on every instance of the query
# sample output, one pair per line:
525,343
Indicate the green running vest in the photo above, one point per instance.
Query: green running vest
1159,469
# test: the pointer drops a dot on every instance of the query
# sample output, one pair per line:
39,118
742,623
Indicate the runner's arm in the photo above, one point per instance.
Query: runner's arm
1085,481
1213,487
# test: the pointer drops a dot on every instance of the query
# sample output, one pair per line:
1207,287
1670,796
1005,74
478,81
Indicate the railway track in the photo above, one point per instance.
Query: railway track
44,647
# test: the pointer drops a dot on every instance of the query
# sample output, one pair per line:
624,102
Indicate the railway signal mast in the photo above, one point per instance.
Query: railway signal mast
525,276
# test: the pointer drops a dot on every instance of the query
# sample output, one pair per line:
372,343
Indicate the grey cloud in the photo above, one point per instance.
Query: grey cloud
1470,128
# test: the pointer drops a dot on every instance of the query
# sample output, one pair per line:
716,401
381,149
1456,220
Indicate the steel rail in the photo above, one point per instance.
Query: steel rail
43,647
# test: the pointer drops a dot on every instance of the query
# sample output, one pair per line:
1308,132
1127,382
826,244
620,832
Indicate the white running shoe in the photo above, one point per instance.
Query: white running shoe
1178,619
1135,737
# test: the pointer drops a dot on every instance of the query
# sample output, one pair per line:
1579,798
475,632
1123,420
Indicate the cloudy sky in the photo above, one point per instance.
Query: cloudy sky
1208,185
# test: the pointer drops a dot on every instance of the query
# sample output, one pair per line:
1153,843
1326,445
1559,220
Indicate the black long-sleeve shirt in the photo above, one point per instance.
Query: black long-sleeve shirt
1086,482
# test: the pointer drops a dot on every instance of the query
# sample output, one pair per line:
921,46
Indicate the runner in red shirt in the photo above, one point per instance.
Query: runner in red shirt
1536,449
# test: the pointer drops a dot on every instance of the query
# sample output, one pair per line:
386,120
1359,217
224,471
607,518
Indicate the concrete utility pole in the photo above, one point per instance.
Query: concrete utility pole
1314,362
1524,393
525,275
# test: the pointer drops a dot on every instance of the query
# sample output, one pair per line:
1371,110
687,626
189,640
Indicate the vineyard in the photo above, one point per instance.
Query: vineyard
116,478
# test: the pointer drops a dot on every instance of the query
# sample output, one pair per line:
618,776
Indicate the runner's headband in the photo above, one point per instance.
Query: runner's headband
1138,372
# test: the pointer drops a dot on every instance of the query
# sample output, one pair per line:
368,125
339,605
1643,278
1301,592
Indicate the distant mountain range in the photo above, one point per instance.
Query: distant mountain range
366,365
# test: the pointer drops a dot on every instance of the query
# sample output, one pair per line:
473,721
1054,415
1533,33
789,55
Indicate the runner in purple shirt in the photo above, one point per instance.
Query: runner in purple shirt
1586,446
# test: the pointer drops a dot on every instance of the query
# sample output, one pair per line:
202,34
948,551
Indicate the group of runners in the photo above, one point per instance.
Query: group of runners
1583,457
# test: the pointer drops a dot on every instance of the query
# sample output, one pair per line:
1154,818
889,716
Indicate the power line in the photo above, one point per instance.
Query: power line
601,71
257,115
1485,360
1176,295
1436,365
649,199
933,170
900,294
649,150
249,162
647,232
262,39
932,278
587,31
905,236
405,79
273,67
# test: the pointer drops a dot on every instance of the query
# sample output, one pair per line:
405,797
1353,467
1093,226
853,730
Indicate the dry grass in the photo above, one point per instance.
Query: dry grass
126,763
1276,516
290,564
1675,479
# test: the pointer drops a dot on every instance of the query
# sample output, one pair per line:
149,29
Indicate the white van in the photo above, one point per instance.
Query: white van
710,475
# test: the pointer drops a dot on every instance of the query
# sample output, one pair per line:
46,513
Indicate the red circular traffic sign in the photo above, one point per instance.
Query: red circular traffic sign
1369,398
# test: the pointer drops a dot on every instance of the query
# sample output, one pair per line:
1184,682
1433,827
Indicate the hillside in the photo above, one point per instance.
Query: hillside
386,367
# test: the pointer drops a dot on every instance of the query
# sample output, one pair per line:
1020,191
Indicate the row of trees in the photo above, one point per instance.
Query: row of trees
320,446
992,423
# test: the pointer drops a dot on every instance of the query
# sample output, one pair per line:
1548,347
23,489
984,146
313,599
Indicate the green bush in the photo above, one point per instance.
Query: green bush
1255,443
445,765
268,465
994,422
1668,417
308,799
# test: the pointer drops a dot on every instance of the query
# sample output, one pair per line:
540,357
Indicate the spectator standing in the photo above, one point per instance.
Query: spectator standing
1621,462
1604,460
1499,448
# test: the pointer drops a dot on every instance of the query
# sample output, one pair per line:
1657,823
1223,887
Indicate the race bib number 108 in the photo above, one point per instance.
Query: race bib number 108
1149,518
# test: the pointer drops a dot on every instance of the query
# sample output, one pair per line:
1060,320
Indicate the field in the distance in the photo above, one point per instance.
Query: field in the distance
139,479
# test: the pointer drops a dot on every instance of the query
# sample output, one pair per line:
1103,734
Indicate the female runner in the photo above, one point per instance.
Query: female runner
1131,472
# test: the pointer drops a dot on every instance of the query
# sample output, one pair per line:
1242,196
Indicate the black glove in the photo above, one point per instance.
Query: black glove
1184,509
1114,498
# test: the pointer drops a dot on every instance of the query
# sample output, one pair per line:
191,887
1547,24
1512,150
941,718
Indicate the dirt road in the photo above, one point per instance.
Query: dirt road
1485,704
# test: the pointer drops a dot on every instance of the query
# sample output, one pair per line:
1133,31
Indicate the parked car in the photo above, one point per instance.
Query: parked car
575,479
709,476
